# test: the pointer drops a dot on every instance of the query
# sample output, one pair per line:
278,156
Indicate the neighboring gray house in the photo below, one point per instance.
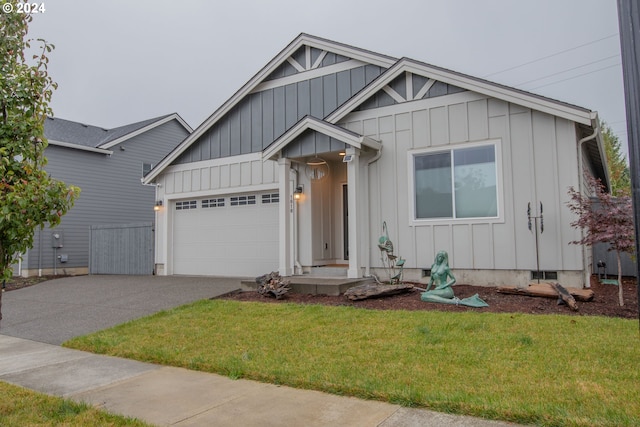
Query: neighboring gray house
107,165
304,163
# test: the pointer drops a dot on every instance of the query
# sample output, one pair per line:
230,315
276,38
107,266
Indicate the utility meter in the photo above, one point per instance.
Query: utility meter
56,239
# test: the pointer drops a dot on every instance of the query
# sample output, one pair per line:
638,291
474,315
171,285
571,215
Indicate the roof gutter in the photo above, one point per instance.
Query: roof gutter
80,147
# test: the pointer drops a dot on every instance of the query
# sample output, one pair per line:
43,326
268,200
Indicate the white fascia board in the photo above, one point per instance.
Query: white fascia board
538,103
147,129
556,108
302,39
79,147
331,130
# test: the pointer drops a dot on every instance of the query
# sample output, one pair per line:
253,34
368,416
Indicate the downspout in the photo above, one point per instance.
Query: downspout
587,273
40,253
367,238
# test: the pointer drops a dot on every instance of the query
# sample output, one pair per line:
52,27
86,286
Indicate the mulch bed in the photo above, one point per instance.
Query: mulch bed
605,302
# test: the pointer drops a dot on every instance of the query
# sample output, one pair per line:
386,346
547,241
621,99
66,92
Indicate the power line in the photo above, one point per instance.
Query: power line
576,76
552,55
567,70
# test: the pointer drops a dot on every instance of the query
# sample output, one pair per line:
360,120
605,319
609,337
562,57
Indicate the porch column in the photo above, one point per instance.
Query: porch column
354,209
285,267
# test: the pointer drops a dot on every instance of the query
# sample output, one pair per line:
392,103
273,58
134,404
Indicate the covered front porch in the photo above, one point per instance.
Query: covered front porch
323,187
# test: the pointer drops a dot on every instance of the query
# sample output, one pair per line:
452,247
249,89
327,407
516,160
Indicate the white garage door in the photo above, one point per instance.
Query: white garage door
226,236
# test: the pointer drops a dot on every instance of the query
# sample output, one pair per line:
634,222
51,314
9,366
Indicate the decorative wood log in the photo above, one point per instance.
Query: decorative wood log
546,291
272,285
372,290
564,295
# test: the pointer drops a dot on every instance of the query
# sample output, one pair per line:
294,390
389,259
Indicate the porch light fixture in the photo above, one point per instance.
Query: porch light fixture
317,168
157,206
297,193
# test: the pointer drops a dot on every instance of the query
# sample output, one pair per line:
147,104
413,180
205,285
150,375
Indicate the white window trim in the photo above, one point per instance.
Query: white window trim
413,221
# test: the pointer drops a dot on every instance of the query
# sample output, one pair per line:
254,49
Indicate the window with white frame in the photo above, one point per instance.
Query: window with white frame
456,183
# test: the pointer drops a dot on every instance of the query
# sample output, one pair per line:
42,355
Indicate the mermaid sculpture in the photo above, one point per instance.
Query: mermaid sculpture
443,279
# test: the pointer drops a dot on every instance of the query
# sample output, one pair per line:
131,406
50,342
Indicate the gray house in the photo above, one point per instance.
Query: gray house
107,165
301,167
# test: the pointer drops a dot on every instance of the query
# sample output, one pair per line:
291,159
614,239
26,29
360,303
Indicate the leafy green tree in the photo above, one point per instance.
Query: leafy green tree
619,174
29,197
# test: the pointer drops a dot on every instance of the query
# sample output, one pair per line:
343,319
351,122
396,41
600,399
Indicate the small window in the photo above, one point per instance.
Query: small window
242,200
213,203
188,204
146,168
544,275
270,198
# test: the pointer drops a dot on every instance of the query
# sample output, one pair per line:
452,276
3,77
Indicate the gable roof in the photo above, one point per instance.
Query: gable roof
394,68
261,76
485,87
81,136
308,122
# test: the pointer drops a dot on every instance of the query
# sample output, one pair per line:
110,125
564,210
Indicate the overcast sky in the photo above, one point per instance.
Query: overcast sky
122,61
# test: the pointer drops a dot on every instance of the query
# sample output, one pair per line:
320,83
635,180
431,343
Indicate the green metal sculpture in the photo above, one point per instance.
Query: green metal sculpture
443,279
392,264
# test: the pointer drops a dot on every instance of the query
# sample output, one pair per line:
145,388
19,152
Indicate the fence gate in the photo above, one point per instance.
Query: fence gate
121,249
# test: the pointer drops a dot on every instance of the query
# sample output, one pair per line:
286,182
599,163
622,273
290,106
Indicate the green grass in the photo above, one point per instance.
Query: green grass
545,370
20,407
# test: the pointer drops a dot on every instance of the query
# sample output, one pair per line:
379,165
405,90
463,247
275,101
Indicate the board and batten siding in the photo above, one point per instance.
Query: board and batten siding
111,192
537,152
218,176
261,117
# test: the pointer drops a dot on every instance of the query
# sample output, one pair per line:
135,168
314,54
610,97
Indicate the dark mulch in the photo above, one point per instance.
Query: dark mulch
605,302
23,282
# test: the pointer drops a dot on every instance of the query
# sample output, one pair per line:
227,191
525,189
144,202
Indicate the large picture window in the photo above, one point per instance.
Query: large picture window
456,183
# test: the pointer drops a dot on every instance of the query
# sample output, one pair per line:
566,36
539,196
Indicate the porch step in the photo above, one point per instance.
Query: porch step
329,271
313,285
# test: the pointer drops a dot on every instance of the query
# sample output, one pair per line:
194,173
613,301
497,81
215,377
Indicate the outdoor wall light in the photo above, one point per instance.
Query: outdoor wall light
157,206
297,194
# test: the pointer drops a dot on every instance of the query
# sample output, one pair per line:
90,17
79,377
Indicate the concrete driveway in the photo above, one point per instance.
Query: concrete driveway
57,310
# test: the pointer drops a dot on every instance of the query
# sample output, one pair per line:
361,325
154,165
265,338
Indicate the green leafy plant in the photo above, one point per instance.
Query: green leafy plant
29,197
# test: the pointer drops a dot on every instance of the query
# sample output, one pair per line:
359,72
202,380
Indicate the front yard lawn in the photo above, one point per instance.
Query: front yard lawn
549,370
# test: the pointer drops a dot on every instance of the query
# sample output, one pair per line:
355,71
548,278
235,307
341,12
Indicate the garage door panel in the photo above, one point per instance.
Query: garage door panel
226,241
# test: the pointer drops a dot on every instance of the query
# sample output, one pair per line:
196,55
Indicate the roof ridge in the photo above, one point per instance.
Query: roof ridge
120,131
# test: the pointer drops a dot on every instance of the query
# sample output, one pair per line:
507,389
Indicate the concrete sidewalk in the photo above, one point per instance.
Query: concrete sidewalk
167,396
